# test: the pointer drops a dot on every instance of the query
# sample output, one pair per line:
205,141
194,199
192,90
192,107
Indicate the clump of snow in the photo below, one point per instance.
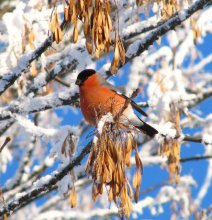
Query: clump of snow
168,130
133,48
5,157
95,140
64,185
42,181
35,130
155,7
138,207
205,21
104,119
207,132
182,15
173,38
139,26
49,161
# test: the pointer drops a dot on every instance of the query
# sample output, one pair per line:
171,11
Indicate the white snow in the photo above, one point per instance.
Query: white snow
182,15
104,119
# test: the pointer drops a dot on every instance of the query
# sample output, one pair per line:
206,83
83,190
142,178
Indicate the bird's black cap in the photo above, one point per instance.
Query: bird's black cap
84,75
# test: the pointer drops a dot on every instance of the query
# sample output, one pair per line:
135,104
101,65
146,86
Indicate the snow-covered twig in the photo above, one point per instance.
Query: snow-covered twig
9,78
25,61
199,66
64,98
140,46
40,104
44,185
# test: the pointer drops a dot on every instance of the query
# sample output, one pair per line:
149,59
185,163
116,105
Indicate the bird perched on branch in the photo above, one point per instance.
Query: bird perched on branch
98,97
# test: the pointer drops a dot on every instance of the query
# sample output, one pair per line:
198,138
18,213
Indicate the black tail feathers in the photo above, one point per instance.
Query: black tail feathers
148,129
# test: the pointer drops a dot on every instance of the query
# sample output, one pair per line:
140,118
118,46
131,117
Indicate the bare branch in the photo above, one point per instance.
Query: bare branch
188,159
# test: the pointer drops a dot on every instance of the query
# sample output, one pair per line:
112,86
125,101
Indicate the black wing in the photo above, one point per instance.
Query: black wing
134,105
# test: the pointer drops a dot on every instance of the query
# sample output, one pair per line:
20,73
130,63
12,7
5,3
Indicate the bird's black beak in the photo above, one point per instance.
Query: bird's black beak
78,82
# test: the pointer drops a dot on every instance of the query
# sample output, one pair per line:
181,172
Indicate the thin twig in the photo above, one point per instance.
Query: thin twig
195,158
61,81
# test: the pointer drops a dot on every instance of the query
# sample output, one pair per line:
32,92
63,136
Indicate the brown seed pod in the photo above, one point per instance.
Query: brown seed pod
75,33
73,198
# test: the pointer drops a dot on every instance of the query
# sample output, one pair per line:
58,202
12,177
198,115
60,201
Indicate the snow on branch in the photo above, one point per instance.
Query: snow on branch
140,46
65,98
51,101
24,63
134,50
9,78
38,104
44,184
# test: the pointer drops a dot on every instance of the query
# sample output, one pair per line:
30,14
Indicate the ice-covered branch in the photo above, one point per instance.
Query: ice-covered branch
166,194
141,27
195,158
44,79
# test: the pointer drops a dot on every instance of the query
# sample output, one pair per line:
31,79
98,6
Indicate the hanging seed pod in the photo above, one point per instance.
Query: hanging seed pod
121,51
60,34
115,62
86,25
56,35
74,15
53,24
89,45
75,33
73,198
66,14
31,39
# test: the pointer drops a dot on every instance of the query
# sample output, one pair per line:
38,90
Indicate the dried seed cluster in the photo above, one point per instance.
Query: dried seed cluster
97,26
55,27
169,7
166,7
195,30
97,23
67,149
107,163
171,148
119,54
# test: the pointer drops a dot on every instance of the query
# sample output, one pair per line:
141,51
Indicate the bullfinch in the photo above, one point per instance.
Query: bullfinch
98,97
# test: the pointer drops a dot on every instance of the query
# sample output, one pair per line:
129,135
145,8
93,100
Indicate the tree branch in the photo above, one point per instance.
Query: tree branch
49,185
36,192
140,46
9,78
188,159
64,98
